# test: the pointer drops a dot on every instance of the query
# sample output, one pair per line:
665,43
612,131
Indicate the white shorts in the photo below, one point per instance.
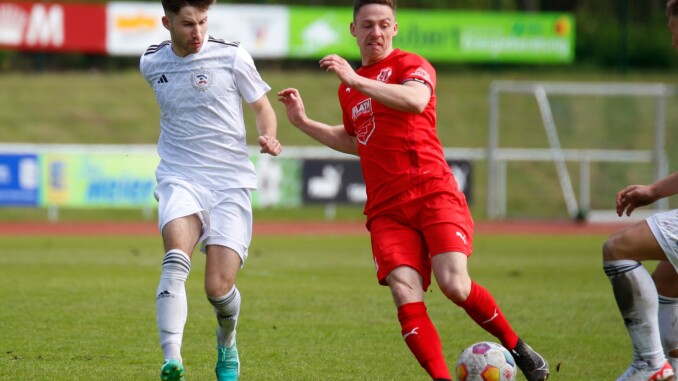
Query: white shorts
226,215
664,226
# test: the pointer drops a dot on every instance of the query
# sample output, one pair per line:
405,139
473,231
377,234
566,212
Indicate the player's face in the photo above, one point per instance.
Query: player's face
673,28
187,29
374,27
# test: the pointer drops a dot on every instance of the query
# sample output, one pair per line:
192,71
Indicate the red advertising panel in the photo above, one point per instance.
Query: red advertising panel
52,27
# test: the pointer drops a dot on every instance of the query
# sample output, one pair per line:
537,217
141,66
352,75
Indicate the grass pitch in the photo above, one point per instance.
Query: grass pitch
83,308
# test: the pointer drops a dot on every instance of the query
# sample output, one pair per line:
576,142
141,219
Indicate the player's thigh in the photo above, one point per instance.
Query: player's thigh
231,222
221,269
182,233
446,224
451,273
181,205
636,242
396,244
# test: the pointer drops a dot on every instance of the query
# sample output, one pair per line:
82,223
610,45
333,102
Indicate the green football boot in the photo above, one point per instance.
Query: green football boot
172,370
228,363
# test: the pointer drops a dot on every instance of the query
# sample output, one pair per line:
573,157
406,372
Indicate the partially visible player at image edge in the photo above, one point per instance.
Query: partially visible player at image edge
205,177
648,304
418,219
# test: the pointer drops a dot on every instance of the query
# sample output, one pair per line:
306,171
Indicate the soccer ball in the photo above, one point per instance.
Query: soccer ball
486,361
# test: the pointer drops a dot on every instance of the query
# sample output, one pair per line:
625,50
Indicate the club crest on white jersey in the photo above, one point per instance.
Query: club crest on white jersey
201,80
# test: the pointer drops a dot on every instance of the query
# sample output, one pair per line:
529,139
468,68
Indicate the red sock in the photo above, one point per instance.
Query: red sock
483,309
422,338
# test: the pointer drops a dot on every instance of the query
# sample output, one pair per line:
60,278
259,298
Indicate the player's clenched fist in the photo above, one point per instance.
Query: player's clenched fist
270,145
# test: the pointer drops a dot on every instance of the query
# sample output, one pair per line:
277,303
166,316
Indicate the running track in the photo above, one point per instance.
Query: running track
299,228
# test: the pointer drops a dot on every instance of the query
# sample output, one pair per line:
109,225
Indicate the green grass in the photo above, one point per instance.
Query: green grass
82,308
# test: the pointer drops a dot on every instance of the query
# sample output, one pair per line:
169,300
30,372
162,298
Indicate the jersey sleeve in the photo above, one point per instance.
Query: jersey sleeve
142,68
416,68
247,78
147,59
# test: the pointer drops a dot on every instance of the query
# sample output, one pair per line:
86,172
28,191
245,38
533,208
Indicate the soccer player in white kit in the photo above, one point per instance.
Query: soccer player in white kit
648,304
649,309
205,177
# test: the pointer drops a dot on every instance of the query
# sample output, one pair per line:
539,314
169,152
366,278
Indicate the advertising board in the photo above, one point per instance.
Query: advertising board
19,180
53,27
340,181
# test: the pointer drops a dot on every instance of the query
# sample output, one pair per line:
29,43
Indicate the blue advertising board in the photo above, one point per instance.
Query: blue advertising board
19,179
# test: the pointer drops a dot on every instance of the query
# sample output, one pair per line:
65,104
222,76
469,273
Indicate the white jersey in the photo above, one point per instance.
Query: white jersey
202,132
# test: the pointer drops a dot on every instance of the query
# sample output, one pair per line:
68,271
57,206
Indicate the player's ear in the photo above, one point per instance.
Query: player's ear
395,29
165,22
352,27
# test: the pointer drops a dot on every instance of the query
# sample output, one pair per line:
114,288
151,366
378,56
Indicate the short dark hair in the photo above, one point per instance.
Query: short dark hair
672,8
361,3
175,6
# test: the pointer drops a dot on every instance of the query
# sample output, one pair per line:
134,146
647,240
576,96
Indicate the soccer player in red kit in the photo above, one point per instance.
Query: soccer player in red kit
418,219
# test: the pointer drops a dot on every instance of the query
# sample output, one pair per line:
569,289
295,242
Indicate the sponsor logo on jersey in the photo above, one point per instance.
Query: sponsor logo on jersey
363,120
201,80
163,79
362,108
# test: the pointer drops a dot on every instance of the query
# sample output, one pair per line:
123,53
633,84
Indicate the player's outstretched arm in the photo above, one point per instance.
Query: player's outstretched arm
410,97
334,137
634,196
267,125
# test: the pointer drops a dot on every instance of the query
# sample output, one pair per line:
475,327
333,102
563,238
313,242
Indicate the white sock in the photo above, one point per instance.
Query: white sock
636,297
227,309
668,327
171,303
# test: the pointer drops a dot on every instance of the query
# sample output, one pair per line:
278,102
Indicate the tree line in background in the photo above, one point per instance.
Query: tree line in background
610,34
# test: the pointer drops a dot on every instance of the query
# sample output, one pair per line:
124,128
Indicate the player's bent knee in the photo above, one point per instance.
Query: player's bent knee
610,251
217,288
455,292
404,292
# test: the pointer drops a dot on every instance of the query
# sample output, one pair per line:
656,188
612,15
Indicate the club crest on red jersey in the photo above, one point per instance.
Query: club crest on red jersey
385,75
202,80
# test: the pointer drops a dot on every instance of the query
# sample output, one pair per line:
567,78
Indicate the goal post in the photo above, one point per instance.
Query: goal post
498,156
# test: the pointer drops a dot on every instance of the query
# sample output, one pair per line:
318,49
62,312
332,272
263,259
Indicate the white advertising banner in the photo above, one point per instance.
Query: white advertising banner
133,27
263,30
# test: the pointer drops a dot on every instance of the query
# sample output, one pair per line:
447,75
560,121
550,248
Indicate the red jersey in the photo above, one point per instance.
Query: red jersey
397,149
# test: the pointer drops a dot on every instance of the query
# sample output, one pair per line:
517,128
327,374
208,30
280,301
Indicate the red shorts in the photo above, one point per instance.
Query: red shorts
425,221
